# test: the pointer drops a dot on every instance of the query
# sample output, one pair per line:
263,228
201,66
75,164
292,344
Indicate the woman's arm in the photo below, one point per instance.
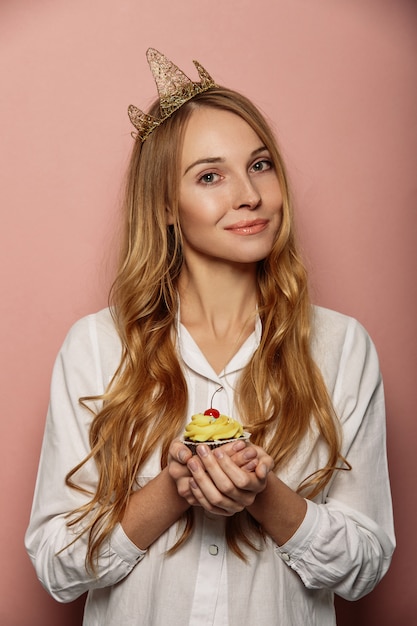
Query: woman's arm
85,364
153,509
346,540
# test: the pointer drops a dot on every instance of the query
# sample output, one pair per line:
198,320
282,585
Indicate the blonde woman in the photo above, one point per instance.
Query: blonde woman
211,302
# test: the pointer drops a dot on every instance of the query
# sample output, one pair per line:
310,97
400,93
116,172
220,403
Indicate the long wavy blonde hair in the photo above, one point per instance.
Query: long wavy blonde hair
146,402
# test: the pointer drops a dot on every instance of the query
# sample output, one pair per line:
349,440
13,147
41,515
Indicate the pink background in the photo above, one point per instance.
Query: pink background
338,81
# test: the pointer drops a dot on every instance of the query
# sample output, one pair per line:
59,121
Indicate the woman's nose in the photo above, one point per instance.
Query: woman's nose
246,194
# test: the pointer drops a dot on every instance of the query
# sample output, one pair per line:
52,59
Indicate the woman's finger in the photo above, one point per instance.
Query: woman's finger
221,488
179,452
207,491
231,480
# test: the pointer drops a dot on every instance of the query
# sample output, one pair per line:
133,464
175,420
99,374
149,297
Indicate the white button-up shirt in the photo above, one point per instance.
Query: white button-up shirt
344,545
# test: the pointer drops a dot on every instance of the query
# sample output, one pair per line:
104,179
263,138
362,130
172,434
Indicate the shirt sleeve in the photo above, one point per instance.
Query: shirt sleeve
58,559
346,540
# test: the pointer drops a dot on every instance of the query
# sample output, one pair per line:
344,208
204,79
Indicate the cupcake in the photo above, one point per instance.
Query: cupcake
213,429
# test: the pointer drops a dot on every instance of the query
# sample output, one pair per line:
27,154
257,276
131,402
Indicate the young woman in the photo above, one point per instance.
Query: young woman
211,300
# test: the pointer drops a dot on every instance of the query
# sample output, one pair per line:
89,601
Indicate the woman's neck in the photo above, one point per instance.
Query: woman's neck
218,296
218,308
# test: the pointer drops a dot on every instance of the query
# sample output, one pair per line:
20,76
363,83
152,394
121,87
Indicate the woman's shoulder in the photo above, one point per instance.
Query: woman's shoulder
334,325
337,337
94,335
100,323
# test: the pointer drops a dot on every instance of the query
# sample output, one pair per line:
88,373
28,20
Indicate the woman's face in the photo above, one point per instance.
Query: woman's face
230,204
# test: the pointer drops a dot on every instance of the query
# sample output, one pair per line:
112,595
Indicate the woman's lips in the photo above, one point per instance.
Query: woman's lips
246,227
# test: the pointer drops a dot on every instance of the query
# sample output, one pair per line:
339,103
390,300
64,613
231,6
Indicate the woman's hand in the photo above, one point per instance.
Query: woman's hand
223,481
178,456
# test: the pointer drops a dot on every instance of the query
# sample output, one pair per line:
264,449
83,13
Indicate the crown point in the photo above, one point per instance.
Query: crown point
174,89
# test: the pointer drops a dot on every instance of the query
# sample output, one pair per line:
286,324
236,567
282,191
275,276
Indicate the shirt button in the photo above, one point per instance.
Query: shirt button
285,556
213,550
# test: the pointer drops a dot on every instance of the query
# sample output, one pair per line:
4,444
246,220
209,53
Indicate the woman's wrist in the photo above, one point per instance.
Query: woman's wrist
152,509
278,509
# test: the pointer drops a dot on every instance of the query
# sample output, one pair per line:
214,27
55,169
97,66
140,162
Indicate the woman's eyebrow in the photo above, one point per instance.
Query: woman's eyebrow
204,160
209,160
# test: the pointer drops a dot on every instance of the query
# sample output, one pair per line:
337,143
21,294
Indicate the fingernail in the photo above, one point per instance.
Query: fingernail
202,450
263,470
182,456
192,465
239,445
218,453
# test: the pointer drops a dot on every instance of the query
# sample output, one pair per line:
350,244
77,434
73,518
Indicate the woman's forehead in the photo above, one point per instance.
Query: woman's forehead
216,133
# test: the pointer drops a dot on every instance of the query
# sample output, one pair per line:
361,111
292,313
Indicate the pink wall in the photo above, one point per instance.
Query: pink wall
338,79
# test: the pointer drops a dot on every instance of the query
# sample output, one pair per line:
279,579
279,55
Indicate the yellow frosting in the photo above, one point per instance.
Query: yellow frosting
207,428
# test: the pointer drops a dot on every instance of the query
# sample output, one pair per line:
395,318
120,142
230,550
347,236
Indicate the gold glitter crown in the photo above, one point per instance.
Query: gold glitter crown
174,89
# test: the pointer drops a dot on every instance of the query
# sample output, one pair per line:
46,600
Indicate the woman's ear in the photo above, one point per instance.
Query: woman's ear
169,216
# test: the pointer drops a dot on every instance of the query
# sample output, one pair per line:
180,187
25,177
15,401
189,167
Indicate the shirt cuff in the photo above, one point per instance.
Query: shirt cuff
292,550
124,547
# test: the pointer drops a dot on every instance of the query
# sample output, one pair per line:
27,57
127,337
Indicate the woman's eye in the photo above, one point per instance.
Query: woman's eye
208,178
261,166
